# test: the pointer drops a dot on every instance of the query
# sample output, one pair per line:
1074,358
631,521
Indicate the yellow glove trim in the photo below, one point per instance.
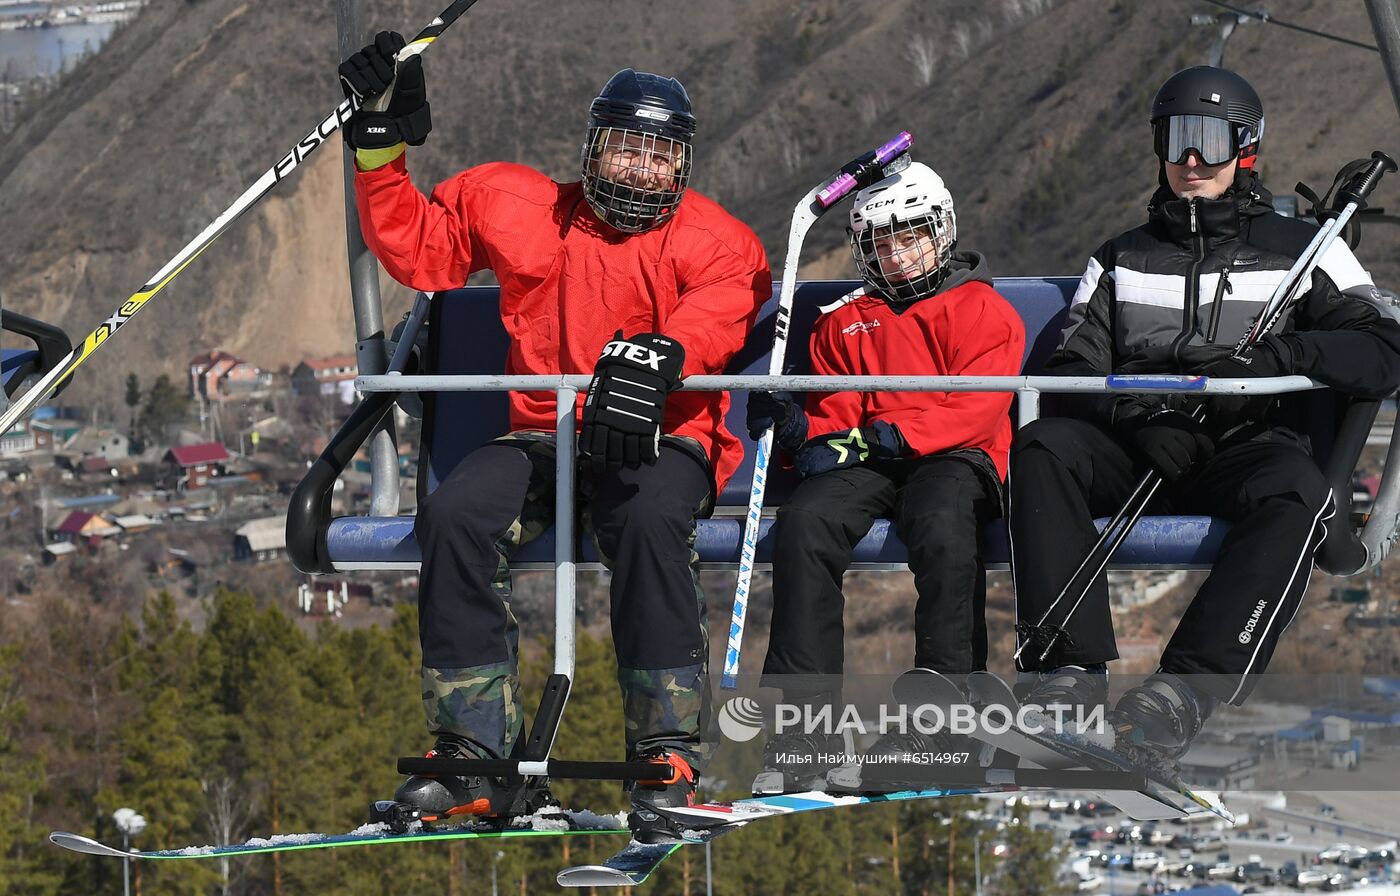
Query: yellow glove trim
370,159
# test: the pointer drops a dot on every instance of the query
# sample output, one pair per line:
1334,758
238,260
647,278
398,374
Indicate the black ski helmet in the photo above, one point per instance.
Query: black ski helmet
1216,93
655,111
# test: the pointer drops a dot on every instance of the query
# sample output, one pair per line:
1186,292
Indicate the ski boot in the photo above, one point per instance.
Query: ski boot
493,799
673,786
798,761
1075,690
1162,716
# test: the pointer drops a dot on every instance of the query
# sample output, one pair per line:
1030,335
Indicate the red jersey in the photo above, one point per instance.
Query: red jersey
968,330
569,282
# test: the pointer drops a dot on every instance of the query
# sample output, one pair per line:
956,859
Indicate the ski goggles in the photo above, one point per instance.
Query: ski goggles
1213,139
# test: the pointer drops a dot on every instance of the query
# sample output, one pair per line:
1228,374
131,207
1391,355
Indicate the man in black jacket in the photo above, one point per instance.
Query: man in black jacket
1174,296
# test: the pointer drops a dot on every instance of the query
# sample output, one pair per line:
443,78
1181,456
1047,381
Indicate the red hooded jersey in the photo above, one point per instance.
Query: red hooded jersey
969,330
569,282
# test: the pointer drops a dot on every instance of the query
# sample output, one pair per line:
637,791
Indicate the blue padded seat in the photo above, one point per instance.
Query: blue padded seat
467,337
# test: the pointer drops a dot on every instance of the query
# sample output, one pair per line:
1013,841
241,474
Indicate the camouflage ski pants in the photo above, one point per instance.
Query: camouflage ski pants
642,521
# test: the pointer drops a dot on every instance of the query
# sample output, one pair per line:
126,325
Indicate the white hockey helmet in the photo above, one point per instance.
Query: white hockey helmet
902,233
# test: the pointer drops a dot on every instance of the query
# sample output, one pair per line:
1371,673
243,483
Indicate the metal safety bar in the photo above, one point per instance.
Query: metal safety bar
1379,533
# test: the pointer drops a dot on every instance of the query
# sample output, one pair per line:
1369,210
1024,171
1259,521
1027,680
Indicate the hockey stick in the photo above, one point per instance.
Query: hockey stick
192,250
1284,296
857,173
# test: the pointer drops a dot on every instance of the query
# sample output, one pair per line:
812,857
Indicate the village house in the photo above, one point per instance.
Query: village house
262,539
220,376
81,527
186,467
326,376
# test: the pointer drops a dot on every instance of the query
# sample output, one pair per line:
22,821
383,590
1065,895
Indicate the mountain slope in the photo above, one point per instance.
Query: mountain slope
1033,111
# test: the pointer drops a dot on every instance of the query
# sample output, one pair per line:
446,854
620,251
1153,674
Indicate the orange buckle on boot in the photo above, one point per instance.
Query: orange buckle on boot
677,770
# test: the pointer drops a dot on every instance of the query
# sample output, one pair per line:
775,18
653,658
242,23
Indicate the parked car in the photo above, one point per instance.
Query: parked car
1327,809
1193,869
1283,837
1255,872
1334,853
1219,870
1146,860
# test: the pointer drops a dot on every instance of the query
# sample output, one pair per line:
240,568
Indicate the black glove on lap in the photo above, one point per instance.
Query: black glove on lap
1171,441
627,399
835,450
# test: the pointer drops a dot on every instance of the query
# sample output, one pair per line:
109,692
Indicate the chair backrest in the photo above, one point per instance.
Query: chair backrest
466,336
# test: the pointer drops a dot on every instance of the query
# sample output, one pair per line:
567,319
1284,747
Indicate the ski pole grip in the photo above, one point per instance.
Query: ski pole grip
859,171
1361,187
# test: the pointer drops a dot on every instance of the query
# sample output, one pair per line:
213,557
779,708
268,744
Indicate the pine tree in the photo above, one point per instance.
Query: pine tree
164,768
1029,868
24,864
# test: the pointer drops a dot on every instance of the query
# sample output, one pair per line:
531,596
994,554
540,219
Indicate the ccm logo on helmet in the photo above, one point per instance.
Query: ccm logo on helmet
1248,634
653,115
637,354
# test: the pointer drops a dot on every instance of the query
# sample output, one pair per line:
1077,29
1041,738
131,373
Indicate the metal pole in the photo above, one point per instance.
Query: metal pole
1385,25
565,569
353,33
977,860
126,865
709,870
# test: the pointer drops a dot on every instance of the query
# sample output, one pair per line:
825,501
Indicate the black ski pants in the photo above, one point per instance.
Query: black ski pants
1065,472
939,506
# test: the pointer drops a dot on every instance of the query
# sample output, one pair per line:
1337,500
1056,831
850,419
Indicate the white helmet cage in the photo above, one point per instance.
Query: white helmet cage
902,233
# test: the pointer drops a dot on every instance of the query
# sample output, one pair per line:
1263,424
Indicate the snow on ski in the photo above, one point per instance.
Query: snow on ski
552,824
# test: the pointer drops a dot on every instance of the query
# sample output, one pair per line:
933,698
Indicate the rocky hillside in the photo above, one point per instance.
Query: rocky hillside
1033,110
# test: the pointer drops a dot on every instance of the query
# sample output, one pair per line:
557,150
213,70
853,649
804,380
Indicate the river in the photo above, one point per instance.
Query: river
37,51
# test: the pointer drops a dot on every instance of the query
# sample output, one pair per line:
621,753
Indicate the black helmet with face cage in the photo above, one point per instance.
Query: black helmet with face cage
651,115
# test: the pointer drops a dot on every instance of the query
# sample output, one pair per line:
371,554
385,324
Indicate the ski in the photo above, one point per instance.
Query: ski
1051,747
704,822
1140,801
543,824
630,867
36,394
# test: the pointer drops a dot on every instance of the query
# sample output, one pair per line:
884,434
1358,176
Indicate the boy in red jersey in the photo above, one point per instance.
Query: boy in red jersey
626,250
933,461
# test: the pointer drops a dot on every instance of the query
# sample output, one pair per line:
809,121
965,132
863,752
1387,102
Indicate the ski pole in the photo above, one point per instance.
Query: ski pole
859,172
270,178
1284,296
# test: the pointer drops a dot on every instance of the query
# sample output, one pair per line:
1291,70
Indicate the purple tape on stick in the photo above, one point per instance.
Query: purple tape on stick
835,191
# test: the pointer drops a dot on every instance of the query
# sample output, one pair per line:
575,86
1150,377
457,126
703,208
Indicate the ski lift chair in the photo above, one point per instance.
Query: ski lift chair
464,335
19,365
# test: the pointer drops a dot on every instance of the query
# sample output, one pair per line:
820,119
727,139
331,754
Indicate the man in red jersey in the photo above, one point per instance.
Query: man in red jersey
626,274
934,461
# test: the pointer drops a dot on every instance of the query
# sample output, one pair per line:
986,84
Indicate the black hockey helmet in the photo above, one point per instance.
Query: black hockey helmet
1207,92
651,116
641,101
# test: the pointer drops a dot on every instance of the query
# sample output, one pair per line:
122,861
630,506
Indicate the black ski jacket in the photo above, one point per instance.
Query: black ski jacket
1199,272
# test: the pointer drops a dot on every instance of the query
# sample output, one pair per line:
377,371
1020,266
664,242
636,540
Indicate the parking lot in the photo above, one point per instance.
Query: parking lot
1296,843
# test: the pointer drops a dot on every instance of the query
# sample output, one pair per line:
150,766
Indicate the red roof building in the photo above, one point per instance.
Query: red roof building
191,466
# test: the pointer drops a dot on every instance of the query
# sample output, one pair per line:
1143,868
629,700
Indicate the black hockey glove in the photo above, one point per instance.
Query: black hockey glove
370,72
1171,441
782,412
1270,356
627,398
835,450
